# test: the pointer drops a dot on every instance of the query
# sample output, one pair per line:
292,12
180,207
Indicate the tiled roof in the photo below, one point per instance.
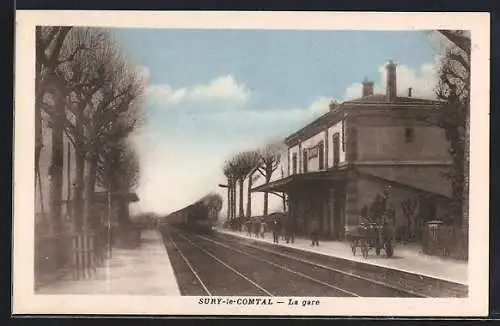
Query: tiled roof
377,99
382,99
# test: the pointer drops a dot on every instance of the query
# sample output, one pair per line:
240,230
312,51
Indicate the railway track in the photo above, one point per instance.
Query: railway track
422,286
211,274
270,273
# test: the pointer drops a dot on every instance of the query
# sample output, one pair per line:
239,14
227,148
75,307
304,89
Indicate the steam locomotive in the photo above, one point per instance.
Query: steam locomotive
199,217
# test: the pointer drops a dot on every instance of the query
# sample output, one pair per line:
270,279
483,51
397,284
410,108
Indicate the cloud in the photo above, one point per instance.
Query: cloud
422,81
223,88
261,124
164,94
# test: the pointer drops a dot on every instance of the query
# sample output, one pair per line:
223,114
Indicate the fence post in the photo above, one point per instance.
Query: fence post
433,236
74,255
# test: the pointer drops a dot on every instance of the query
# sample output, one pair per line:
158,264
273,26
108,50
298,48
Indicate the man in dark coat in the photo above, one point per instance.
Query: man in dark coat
314,232
248,227
256,228
290,230
276,230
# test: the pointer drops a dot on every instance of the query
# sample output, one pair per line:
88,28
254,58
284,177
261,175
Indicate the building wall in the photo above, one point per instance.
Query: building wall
389,142
313,163
368,189
336,128
293,150
426,177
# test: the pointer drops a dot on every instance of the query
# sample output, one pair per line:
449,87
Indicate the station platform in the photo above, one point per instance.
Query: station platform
145,270
407,258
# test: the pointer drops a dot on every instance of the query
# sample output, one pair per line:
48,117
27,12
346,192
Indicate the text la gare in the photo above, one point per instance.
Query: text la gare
303,303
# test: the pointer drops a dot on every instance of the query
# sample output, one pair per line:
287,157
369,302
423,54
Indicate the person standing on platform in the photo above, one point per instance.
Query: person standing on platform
262,228
248,227
289,227
256,228
314,232
275,227
285,228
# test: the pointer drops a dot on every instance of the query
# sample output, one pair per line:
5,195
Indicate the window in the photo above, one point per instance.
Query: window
336,149
304,156
409,135
321,156
294,163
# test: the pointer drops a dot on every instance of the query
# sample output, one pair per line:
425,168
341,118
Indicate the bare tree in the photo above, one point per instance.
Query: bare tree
88,72
270,158
113,113
118,172
53,86
228,173
251,178
244,163
102,97
49,41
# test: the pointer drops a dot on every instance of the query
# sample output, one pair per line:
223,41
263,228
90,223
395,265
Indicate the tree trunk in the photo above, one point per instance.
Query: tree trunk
266,195
284,202
234,202
465,196
266,198
89,219
242,211
249,197
228,199
38,127
40,191
39,93
78,189
56,165
230,202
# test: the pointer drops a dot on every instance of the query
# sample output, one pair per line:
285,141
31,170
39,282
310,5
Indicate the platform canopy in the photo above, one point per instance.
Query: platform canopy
300,180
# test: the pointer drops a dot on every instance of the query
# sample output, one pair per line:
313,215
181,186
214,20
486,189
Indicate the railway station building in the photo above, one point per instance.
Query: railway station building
377,144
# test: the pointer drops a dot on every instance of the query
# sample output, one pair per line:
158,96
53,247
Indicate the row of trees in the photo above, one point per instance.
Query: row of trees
250,165
87,91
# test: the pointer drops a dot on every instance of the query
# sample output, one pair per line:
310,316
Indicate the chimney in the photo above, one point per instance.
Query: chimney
367,88
333,105
391,90
409,92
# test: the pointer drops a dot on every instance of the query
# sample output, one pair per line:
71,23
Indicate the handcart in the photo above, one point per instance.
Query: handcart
367,236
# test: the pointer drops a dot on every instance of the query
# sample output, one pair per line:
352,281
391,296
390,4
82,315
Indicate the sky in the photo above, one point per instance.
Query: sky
212,93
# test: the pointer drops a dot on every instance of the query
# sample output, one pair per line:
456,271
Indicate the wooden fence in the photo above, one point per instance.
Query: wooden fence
77,253
446,241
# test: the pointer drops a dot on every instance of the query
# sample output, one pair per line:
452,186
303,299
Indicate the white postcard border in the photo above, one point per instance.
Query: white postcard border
26,302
